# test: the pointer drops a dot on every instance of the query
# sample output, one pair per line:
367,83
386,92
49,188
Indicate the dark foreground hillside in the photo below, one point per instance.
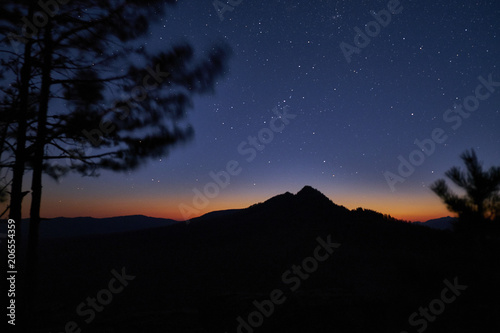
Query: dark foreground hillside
203,276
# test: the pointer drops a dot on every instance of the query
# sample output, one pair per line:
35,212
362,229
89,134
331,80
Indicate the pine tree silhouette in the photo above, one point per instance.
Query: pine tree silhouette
480,206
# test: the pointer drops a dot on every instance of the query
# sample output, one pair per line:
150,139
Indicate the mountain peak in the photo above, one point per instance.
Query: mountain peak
307,198
309,191
312,195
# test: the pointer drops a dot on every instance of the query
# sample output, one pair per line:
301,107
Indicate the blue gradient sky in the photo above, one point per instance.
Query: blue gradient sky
352,120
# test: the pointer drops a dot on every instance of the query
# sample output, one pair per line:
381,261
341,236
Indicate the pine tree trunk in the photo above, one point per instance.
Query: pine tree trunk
16,192
38,157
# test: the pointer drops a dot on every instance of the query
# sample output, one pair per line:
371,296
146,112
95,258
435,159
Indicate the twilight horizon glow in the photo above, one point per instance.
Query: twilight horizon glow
380,110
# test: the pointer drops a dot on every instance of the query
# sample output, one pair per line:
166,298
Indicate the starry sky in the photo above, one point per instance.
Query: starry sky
337,118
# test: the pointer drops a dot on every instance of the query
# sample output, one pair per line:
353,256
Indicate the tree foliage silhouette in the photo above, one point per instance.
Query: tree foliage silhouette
75,53
81,93
481,203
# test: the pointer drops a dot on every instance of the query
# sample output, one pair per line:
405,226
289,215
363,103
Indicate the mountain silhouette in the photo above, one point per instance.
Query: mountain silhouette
66,227
203,276
312,193
442,223
306,197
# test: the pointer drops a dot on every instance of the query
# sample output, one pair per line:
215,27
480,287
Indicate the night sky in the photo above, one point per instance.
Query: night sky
343,124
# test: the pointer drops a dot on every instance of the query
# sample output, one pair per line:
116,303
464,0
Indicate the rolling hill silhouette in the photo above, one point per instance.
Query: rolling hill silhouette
66,227
203,276
442,223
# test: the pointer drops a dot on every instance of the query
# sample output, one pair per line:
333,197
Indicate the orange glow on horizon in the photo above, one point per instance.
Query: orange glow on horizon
400,206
